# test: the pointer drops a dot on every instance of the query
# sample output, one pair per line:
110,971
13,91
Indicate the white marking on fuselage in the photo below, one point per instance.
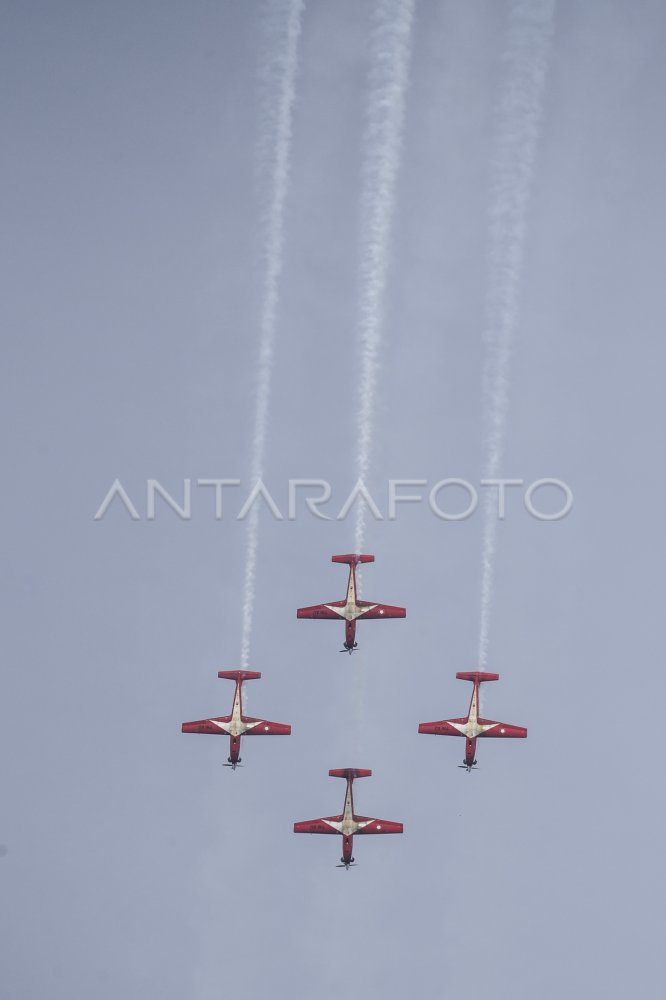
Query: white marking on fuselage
351,609
236,726
472,728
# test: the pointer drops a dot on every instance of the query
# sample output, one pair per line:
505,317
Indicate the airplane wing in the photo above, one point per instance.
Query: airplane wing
207,726
321,611
371,825
487,727
380,610
322,825
262,727
502,730
445,727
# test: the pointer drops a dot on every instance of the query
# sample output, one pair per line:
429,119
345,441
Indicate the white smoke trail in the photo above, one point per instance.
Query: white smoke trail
390,54
284,18
516,138
385,114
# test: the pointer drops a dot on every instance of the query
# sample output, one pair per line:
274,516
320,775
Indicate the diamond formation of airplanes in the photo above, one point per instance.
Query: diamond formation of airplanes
348,824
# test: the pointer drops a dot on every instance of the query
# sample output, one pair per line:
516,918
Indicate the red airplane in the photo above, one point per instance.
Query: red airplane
348,823
473,727
237,724
351,608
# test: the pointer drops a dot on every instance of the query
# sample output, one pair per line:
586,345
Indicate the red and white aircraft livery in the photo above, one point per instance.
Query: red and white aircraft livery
473,727
348,823
351,608
236,725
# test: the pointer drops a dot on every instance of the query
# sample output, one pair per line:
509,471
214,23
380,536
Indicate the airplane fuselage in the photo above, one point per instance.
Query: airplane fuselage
236,726
351,610
472,728
470,753
347,825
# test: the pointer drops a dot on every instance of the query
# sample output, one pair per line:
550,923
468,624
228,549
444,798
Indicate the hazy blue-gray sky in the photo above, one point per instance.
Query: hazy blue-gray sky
132,262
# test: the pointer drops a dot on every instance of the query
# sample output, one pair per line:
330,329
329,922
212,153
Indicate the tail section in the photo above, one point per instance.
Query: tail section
477,676
350,772
352,559
239,675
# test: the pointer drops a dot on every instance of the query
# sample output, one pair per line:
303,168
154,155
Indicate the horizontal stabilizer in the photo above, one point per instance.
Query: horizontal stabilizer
352,559
350,772
476,675
239,675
